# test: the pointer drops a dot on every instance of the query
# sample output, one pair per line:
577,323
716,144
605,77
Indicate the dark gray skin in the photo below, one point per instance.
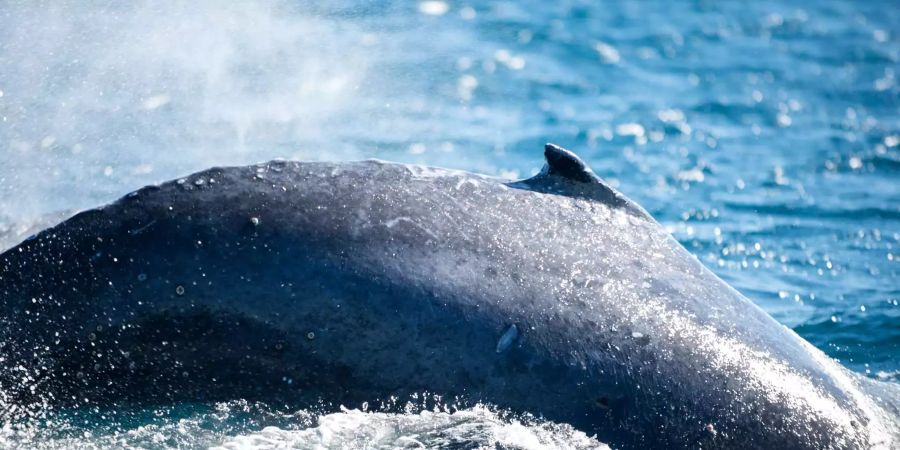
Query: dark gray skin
359,281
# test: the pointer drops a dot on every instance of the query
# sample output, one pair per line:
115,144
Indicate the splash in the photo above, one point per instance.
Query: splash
242,425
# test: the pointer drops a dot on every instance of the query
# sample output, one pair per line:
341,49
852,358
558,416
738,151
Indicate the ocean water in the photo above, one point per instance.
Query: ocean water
765,135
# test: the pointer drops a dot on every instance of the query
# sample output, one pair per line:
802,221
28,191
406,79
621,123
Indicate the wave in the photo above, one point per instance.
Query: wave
243,425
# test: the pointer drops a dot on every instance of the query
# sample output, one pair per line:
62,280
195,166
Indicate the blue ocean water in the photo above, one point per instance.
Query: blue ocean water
764,135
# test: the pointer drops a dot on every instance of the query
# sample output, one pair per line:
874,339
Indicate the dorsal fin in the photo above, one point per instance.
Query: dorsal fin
566,174
566,164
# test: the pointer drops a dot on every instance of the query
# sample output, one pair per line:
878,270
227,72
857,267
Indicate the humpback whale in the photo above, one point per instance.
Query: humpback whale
359,281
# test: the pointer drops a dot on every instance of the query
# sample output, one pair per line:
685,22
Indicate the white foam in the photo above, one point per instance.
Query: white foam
475,427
